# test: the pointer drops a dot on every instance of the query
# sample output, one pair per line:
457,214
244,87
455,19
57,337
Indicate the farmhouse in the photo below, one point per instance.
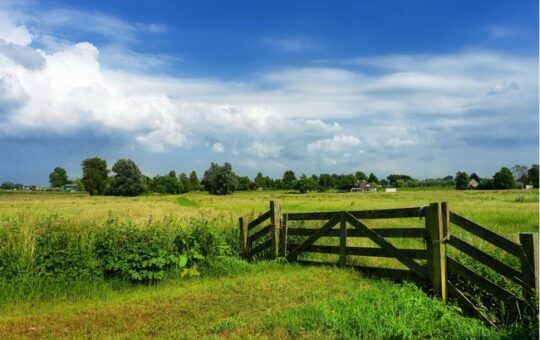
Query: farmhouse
474,181
363,186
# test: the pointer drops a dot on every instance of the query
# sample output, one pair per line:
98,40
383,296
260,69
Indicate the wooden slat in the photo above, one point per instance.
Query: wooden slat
261,233
487,260
329,225
486,234
395,274
482,282
363,251
384,232
454,292
259,220
381,242
360,214
263,246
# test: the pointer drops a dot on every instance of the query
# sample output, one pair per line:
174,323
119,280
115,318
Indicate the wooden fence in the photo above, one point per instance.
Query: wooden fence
436,268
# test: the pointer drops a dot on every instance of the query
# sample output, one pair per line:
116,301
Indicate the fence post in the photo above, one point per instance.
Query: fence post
529,263
436,226
276,223
244,236
342,240
283,236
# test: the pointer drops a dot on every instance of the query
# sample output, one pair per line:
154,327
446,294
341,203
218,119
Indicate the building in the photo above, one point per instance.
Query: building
363,186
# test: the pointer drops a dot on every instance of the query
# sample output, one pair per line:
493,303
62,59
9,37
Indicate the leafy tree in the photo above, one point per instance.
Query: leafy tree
532,175
326,182
220,180
305,184
95,175
462,180
172,173
393,178
288,179
7,186
373,179
260,181
58,177
244,183
166,185
346,182
520,173
194,181
504,179
475,177
128,179
400,183
360,176
185,182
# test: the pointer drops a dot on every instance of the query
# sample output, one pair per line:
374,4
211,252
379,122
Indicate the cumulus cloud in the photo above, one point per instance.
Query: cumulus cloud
285,116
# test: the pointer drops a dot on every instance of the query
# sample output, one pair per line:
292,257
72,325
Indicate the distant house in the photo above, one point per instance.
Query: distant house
473,183
363,186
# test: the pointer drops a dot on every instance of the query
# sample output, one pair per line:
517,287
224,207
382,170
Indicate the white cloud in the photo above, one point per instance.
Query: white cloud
397,142
218,148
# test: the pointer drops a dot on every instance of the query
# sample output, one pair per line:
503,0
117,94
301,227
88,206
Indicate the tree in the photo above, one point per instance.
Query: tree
166,185
373,179
244,183
194,181
305,184
185,182
219,180
260,181
128,179
326,182
532,175
462,180
520,173
504,179
360,176
288,179
392,179
7,186
58,177
346,182
95,175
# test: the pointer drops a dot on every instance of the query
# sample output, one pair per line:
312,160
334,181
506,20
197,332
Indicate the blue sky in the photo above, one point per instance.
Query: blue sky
418,87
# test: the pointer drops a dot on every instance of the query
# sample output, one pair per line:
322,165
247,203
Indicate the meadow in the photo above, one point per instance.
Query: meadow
73,265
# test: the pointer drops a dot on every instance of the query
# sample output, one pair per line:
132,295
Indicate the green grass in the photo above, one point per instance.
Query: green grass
186,202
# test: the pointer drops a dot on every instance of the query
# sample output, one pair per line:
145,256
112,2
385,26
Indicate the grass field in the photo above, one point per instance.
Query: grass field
230,298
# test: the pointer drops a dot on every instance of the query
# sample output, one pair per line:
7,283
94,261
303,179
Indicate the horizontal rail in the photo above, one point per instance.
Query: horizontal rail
487,235
482,282
361,214
384,232
263,246
364,251
261,233
488,260
259,220
320,232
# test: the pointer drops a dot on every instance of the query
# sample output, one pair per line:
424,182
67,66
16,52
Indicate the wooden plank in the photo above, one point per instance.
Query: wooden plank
329,225
342,241
360,214
487,260
244,236
482,282
259,220
263,246
394,274
486,234
364,251
381,242
384,232
283,236
275,221
529,263
436,248
454,292
261,233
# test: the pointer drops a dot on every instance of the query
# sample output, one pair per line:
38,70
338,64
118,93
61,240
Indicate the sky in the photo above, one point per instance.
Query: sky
424,88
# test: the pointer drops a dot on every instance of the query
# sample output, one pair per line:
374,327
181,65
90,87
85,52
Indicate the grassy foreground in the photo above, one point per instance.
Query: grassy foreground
268,300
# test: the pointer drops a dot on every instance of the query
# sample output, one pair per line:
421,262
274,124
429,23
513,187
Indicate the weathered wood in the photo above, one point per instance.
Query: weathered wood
361,214
259,220
484,283
529,263
263,246
342,240
364,251
487,235
244,236
322,231
275,221
488,260
384,232
283,236
261,233
454,292
381,242
436,248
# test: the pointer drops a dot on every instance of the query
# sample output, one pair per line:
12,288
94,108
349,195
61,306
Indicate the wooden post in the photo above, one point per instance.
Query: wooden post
436,247
276,223
283,236
244,236
343,240
529,263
